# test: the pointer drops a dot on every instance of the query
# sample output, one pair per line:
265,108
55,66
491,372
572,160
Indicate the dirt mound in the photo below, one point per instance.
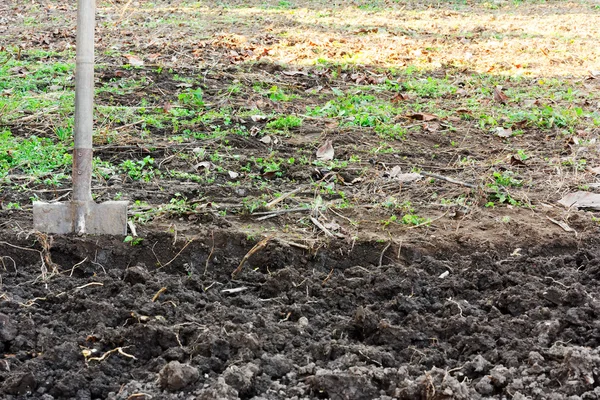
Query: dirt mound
298,325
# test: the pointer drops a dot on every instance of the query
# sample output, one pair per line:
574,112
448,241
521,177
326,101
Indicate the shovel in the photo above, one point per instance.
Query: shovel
82,215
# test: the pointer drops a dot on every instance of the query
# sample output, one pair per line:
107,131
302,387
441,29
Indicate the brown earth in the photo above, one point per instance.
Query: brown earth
479,303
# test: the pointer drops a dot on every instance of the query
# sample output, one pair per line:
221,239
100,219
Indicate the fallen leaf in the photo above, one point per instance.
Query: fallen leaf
269,175
167,107
499,96
562,224
431,126
265,139
255,130
517,161
332,226
204,164
133,60
294,73
581,200
531,103
503,132
326,152
422,116
394,172
400,97
257,118
594,170
233,174
409,177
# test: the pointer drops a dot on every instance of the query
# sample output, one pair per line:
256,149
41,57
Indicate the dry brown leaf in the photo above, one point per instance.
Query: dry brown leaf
400,97
422,116
204,164
562,224
499,96
294,73
431,126
134,61
517,161
531,102
265,139
503,132
326,152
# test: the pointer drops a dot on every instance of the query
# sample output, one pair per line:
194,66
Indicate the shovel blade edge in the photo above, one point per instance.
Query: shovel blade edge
108,218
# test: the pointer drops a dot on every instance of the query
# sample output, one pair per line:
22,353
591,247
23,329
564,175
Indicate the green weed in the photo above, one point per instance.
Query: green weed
285,123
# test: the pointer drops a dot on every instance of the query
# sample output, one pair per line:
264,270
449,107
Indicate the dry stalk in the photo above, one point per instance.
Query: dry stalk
212,250
157,295
174,258
383,252
257,247
283,197
327,277
321,227
77,265
89,284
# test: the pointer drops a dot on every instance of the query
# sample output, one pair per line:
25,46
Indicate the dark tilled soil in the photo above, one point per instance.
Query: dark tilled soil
332,324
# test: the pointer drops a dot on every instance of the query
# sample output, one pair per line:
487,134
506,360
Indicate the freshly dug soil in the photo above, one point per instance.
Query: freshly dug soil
335,324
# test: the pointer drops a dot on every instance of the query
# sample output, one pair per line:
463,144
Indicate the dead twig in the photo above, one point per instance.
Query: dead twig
321,227
451,180
77,265
327,277
283,197
257,247
157,295
9,258
43,267
176,255
271,214
89,284
212,250
383,252
31,302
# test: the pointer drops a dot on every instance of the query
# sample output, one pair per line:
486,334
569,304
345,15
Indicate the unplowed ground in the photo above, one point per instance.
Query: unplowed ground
255,269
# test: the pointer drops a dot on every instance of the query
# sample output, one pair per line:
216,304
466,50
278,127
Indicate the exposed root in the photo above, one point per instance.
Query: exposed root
87,353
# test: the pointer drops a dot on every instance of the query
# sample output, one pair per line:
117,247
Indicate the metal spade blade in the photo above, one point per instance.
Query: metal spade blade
82,214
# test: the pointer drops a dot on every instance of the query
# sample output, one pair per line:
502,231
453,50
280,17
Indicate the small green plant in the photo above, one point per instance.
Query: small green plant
252,205
503,180
285,123
506,179
277,94
414,219
140,169
386,222
522,155
12,206
133,240
192,97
